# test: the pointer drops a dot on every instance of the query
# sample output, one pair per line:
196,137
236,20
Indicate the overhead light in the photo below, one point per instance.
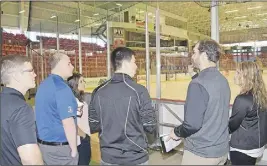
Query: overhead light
96,14
261,14
149,14
240,17
231,11
246,22
97,24
22,11
77,20
53,16
118,4
256,7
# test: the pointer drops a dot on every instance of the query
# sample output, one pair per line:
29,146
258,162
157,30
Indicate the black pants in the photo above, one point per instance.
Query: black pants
84,150
238,158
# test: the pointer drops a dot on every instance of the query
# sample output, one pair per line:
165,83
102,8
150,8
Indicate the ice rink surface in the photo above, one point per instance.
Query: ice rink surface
177,89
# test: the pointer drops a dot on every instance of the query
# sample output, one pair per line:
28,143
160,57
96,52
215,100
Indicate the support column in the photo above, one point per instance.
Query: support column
42,58
41,52
158,63
108,52
57,36
1,41
1,31
21,16
27,50
147,56
30,52
215,21
80,39
215,34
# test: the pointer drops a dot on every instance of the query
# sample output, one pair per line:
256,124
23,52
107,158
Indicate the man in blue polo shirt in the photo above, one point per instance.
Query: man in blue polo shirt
56,109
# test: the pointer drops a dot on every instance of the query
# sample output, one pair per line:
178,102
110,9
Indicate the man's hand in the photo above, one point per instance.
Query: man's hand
81,133
74,152
172,136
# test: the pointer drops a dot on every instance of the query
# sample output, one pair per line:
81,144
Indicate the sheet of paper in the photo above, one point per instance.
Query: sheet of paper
169,145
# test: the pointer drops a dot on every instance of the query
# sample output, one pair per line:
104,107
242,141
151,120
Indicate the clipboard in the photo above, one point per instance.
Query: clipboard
167,146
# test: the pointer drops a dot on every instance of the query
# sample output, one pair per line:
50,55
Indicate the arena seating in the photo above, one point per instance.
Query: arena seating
94,56
13,44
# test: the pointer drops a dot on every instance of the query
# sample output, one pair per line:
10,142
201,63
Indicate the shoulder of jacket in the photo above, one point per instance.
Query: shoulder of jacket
138,87
99,87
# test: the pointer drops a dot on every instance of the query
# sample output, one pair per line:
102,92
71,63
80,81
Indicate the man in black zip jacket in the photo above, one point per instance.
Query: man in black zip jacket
121,111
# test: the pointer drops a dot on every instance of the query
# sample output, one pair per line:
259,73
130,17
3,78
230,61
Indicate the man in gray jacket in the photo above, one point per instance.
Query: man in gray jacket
205,126
121,111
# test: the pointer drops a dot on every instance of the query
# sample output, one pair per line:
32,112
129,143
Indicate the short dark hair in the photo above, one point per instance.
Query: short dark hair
211,48
119,55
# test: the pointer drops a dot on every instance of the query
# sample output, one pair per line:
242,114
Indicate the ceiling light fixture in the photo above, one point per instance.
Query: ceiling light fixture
261,14
96,14
118,4
256,7
53,16
22,11
77,20
231,11
240,17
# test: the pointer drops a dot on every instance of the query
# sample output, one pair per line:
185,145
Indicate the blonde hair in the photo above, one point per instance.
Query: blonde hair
252,82
54,59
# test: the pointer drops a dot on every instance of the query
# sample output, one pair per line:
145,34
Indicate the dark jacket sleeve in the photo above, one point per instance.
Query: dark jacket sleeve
94,117
239,111
87,98
147,112
195,108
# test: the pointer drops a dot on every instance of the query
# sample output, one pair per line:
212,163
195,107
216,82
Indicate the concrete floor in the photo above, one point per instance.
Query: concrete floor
172,158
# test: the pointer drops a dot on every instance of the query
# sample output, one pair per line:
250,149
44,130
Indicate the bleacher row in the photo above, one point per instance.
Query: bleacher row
13,49
227,61
92,66
69,44
14,39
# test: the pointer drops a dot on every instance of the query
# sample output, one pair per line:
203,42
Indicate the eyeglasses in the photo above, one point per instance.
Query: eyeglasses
23,71
28,71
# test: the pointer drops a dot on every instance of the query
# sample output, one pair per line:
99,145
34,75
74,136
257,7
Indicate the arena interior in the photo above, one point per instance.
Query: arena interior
88,31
